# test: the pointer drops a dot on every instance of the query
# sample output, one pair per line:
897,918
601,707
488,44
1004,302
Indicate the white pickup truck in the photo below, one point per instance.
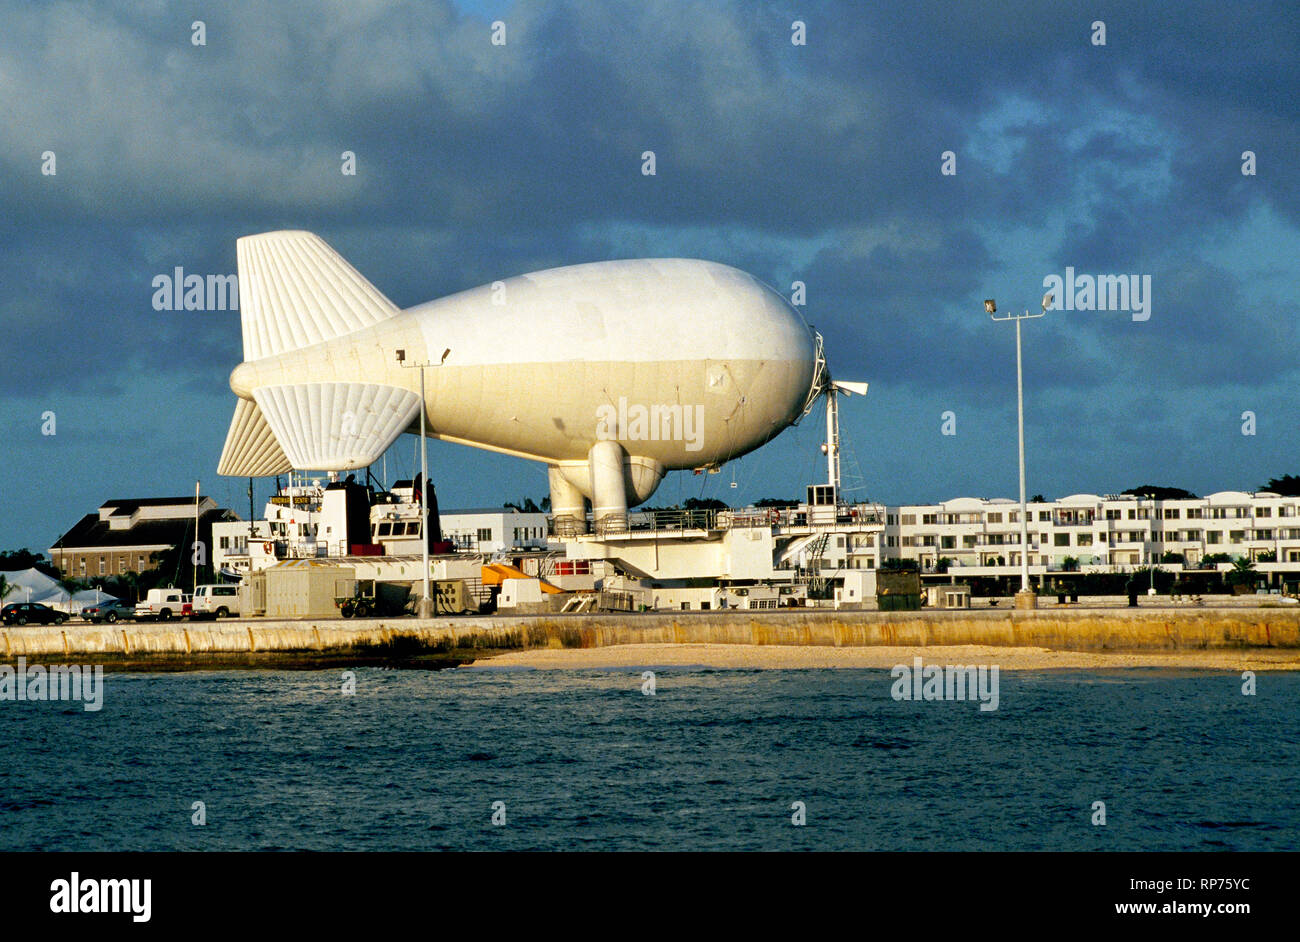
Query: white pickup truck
164,605
216,601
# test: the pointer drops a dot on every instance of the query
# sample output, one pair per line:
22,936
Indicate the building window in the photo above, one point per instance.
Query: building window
1263,511
909,520
1171,513
995,518
225,545
483,536
1236,536
1214,536
103,565
1062,539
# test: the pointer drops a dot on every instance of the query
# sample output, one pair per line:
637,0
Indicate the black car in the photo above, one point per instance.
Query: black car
109,610
20,613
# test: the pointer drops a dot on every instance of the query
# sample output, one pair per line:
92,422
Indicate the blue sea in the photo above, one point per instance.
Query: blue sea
714,760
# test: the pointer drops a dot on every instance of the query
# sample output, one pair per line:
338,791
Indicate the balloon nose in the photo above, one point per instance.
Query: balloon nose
241,380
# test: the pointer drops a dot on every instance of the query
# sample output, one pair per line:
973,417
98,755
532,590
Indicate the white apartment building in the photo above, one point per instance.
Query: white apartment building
1097,533
490,530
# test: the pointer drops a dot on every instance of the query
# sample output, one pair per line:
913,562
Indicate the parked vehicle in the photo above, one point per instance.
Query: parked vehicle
164,605
21,613
366,597
216,601
110,610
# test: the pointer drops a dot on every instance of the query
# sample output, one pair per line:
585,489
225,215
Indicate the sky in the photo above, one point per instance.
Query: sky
821,162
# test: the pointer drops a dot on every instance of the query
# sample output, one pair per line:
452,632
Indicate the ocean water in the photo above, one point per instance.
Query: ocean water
715,760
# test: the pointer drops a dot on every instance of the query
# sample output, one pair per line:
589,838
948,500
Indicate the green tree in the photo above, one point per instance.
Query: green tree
900,565
707,503
1288,485
1242,572
124,586
26,559
1159,492
528,506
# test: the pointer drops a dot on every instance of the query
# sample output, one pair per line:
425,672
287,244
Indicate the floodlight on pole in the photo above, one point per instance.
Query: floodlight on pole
425,607
1025,598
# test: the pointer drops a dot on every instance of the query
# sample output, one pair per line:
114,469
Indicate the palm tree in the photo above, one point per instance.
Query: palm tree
131,579
5,588
1242,573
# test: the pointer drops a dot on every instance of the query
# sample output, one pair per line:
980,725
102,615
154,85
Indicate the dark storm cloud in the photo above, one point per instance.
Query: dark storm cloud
819,162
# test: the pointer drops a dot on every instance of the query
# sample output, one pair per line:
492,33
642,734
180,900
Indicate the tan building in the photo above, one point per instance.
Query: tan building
123,535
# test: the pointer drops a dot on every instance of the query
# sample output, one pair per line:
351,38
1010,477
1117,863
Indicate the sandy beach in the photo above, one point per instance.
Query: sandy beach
765,656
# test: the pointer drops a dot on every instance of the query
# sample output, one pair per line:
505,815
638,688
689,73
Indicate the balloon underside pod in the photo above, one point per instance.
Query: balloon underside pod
567,503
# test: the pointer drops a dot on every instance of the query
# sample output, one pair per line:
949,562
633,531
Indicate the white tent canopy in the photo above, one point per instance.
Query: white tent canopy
32,585
89,597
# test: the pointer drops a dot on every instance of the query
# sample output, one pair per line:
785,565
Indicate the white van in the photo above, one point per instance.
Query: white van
217,601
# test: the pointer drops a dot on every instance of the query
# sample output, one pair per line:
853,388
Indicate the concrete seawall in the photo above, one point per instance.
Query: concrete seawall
1072,630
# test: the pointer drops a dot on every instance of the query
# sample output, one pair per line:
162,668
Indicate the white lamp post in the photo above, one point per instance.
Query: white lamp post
1025,598
425,607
